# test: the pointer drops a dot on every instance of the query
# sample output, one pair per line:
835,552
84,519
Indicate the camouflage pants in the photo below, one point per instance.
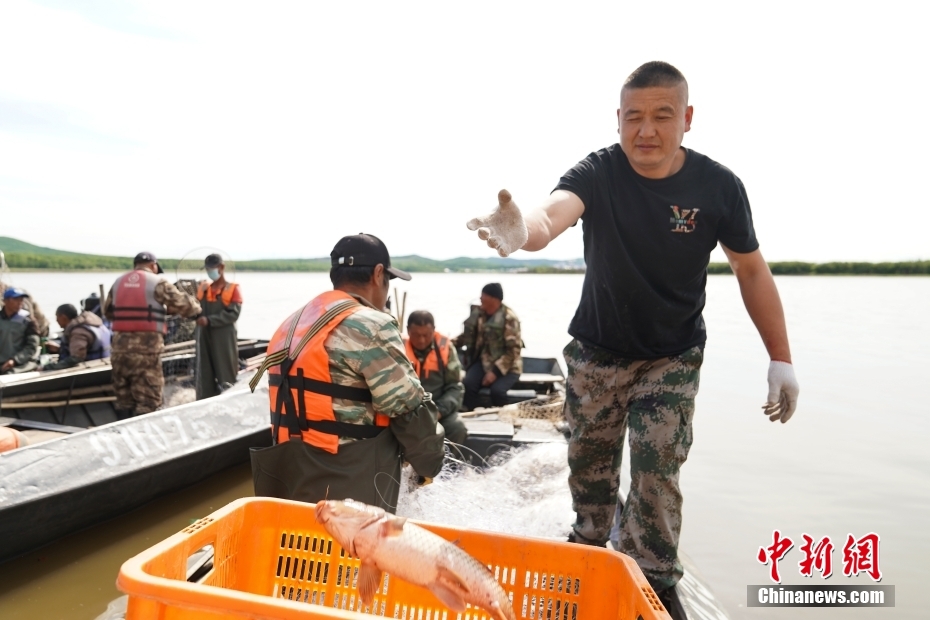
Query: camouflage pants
137,379
606,395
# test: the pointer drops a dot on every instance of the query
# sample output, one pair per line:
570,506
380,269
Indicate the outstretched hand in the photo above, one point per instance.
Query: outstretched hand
504,228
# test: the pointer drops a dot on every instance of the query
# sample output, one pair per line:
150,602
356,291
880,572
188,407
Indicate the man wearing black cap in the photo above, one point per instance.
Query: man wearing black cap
217,348
138,305
346,404
493,342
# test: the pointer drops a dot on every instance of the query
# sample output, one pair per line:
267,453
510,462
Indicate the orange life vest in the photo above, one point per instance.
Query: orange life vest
433,362
301,389
206,290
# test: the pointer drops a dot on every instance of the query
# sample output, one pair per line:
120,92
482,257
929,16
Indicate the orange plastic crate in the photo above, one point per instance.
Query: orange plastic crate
273,560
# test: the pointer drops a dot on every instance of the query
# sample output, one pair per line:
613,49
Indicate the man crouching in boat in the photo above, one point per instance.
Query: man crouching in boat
346,405
437,365
85,338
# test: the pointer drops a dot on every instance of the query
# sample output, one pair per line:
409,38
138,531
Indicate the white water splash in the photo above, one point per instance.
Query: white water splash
524,492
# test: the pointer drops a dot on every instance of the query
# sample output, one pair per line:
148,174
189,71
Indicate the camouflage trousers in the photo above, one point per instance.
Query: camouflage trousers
654,399
137,375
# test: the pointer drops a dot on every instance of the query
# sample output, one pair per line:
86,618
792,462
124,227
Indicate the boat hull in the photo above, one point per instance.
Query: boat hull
61,486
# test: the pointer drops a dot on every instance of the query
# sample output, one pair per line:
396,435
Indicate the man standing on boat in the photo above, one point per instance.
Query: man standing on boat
85,338
652,211
346,404
217,341
19,335
492,340
138,305
437,365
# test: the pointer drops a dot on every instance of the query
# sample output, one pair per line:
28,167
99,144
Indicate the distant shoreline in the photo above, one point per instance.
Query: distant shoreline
23,256
789,268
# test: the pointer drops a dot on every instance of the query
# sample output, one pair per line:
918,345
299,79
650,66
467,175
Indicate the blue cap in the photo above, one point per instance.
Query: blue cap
14,292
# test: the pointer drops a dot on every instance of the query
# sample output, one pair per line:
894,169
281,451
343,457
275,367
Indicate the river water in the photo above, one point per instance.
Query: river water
853,460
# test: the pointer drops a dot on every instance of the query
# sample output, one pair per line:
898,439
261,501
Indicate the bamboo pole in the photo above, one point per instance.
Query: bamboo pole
61,403
77,392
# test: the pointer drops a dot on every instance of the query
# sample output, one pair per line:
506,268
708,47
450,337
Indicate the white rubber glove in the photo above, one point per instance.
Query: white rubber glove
783,392
504,228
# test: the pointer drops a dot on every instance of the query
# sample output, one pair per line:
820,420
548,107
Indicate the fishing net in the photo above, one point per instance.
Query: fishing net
541,412
180,351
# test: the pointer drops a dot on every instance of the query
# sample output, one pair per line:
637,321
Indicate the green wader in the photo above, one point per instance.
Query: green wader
217,348
367,471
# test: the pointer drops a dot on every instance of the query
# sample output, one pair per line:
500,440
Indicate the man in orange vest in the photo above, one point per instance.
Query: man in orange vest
437,364
347,407
217,341
138,306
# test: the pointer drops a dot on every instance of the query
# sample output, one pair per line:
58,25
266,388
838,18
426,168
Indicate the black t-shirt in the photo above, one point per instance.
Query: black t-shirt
647,243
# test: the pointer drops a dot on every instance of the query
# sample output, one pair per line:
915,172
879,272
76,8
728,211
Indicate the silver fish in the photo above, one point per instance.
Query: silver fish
386,543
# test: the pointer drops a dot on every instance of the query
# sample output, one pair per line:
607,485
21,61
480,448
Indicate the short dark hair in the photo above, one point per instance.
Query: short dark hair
655,74
420,318
353,274
68,310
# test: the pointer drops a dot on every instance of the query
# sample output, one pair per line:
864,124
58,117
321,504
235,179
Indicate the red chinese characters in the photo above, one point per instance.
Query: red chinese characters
776,551
861,556
819,556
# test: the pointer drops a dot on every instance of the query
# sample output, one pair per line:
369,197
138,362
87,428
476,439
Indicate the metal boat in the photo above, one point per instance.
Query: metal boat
64,401
86,475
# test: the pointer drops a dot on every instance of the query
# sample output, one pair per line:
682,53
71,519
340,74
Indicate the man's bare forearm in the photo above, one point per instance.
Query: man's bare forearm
760,296
537,226
560,211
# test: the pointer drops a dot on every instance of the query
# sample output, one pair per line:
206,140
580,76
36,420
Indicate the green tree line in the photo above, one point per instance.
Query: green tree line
86,262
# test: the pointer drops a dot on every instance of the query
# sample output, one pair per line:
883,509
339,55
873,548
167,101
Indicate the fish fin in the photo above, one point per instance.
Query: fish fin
393,526
498,612
452,581
449,598
369,580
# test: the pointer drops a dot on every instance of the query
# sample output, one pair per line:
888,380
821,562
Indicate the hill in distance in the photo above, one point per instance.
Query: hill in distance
23,255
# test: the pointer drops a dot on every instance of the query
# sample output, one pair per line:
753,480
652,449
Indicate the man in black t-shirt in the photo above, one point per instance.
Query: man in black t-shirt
652,212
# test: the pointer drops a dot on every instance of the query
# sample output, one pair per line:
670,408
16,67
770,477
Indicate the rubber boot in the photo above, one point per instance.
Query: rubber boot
672,603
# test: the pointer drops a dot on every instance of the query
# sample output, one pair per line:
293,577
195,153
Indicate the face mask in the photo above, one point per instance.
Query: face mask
213,274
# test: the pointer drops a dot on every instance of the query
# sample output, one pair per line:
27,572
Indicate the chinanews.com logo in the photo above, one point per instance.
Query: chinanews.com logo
860,556
683,220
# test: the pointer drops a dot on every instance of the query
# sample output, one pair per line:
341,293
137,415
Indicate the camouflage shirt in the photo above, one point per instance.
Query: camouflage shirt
446,387
495,339
366,351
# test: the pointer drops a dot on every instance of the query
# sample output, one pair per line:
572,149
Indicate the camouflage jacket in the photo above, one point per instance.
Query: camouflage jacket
494,340
445,387
366,351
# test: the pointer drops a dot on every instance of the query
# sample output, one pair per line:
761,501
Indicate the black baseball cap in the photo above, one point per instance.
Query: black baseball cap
363,250
147,257
212,260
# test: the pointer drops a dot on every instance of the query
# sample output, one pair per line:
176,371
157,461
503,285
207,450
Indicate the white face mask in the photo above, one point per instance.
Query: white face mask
213,274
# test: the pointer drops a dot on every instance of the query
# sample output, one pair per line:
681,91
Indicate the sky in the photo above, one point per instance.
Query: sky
272,129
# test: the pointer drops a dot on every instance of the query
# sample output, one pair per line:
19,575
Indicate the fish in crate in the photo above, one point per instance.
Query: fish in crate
385,543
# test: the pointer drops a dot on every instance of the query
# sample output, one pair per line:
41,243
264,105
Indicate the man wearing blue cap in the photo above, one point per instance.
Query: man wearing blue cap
19,335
